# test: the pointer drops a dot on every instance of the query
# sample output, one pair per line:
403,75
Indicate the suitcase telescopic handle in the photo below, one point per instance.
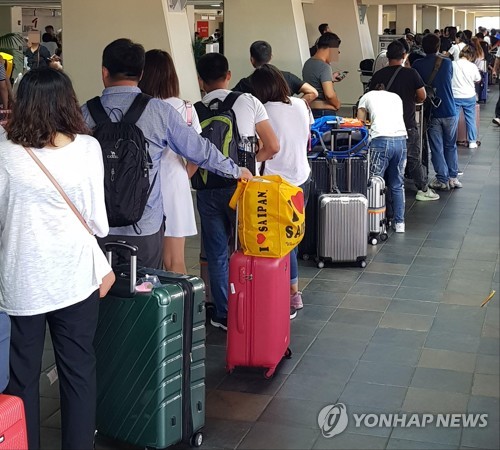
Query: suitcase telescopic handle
132,249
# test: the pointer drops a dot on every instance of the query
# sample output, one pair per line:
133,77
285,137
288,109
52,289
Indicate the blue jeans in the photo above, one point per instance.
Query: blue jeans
294,265
442,133
469,107
217,223
388,157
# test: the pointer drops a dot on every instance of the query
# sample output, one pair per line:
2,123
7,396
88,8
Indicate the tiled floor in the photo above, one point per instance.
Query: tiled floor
405,335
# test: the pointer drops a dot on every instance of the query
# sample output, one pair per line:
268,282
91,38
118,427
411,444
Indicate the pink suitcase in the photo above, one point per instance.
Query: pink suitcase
13,434
258,322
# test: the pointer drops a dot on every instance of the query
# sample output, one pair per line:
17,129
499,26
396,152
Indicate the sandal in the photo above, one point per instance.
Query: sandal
463,143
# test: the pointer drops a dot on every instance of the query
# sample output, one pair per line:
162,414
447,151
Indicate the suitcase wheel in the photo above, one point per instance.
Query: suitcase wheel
374,241
363,264
196,440
305,257
321,264
288,353
268,374
383,237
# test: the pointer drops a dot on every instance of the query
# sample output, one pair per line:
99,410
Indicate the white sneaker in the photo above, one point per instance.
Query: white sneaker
428,195
436,184
455,184
472,144
399,227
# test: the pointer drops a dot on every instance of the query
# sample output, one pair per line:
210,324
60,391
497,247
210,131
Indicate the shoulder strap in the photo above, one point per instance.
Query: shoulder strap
394,75
228,102
59,189
189,112
136,108
97,111
437,65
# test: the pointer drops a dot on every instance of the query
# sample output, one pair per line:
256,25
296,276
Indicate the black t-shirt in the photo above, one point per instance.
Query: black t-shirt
293,81
37,59
405,84
445,44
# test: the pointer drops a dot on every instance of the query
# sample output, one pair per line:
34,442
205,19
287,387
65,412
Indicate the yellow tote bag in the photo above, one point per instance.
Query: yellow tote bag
271,216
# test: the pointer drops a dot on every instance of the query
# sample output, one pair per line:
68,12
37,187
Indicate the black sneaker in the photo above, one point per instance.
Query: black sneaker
219,322
293,313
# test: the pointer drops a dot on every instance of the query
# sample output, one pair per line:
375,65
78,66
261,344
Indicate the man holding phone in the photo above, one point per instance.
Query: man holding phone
318,73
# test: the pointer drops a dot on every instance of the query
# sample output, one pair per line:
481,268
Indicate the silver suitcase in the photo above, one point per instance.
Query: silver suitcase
377,222
343,228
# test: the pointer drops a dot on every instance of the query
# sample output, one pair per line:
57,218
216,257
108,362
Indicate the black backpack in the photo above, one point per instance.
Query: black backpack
218,125
126,162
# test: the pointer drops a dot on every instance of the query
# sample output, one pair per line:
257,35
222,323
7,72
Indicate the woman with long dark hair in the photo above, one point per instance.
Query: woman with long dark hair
50,265
291,120
160,80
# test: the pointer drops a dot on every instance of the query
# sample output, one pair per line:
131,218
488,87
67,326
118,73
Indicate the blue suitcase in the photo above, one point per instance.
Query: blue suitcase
483,88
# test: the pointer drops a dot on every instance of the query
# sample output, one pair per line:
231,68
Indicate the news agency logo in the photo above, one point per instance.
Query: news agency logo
333,420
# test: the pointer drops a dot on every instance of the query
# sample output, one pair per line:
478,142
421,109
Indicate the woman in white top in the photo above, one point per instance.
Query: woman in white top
291,120
160,80
50,266
463,84
457,46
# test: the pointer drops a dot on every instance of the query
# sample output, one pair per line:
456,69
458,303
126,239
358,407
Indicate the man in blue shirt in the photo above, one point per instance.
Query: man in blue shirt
162,125
443,124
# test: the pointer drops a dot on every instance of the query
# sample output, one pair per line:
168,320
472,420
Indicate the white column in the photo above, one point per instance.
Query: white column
149,23
190,16
374,16
430,17
460,20
447,17
471,22
279,22
10,19
356,40
418,28
406,17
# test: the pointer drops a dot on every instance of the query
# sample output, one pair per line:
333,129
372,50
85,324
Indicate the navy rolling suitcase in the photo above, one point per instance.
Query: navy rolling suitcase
483,87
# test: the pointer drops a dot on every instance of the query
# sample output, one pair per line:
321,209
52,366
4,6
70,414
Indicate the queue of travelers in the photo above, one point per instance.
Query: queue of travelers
30,206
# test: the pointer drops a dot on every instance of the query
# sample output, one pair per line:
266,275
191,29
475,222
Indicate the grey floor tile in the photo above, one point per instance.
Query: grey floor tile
329,286
462,299
443,243
343,330
438,253
479,255
449,437
485,405
334,274
383,373
316,312
365,302
419,293
310,387
391,354
381,278
252,382
464,286
305,327
486,385
488,364
373,289
424,270
273,436
393,258
299,344
338,348
445,263
404,444
224,433
368,394
467,319
489,346
454,340
382,267
413,307
401,338
337,370
239,406
434,283
419,400
50,438
350,441
442,380
483,438
294,412
404,321
54,421
355,317
357,415
322,298
446,359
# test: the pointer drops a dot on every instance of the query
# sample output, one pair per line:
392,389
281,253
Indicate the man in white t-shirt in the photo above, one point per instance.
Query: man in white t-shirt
387,144
217,219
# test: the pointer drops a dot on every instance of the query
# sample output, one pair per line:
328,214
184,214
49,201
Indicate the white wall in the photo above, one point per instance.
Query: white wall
43,18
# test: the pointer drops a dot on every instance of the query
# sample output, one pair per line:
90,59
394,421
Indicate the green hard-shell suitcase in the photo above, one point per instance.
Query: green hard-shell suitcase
150,350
